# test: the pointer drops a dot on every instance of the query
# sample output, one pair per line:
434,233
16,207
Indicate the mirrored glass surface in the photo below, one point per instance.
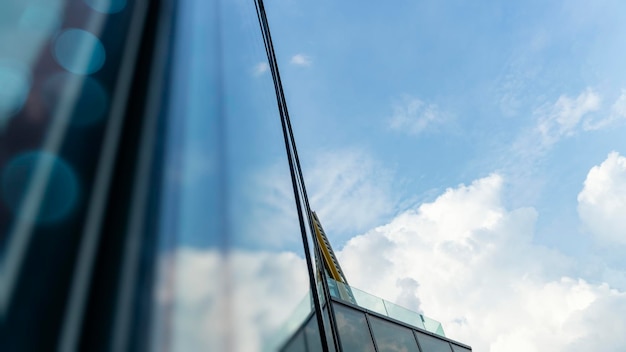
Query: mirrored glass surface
353,330
297,344
457,348
312,332
432,344
392,337
232,269
65,77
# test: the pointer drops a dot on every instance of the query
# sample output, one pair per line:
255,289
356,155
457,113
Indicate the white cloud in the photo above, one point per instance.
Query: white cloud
619,107
480,274
273,211
602,201
205,314
348,189
563,118
554,122
260,68
569,116
618,112
463,259
301,60
412,115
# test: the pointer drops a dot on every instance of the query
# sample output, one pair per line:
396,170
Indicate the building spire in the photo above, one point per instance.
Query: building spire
330,262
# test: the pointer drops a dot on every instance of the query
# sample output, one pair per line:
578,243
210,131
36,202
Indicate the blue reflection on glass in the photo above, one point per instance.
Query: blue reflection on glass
107,6
43,16
14,88
89,107
61,192
79,51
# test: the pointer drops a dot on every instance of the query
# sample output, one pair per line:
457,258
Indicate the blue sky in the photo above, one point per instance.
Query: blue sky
488,70
485,137
444,93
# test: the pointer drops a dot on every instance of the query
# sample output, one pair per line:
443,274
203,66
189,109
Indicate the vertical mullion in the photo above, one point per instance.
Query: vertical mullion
369,327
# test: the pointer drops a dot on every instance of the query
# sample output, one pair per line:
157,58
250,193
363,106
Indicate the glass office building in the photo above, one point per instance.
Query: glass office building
355,320
367,323
137,142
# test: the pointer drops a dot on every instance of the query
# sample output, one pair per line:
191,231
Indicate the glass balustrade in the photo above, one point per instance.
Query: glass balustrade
346,293
378,305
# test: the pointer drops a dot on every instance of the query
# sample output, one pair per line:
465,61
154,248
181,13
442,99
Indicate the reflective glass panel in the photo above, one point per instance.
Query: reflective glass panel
329,339
432,344
312,331
361,298
232,268
69,164
392,337
353,330
433,326
297,344
404,315
456,348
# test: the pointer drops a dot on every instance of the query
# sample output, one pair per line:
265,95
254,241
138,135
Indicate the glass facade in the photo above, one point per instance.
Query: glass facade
142,197
391,337
429,343
312,332
353,328
140,150
361,329
297,344
76,240
457,348
378,305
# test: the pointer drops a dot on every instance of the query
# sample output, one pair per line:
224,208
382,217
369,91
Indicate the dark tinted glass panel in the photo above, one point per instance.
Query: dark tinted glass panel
313,341
312,332
329,338
297,344
353,330
392,337
432,344
456,348
67,72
